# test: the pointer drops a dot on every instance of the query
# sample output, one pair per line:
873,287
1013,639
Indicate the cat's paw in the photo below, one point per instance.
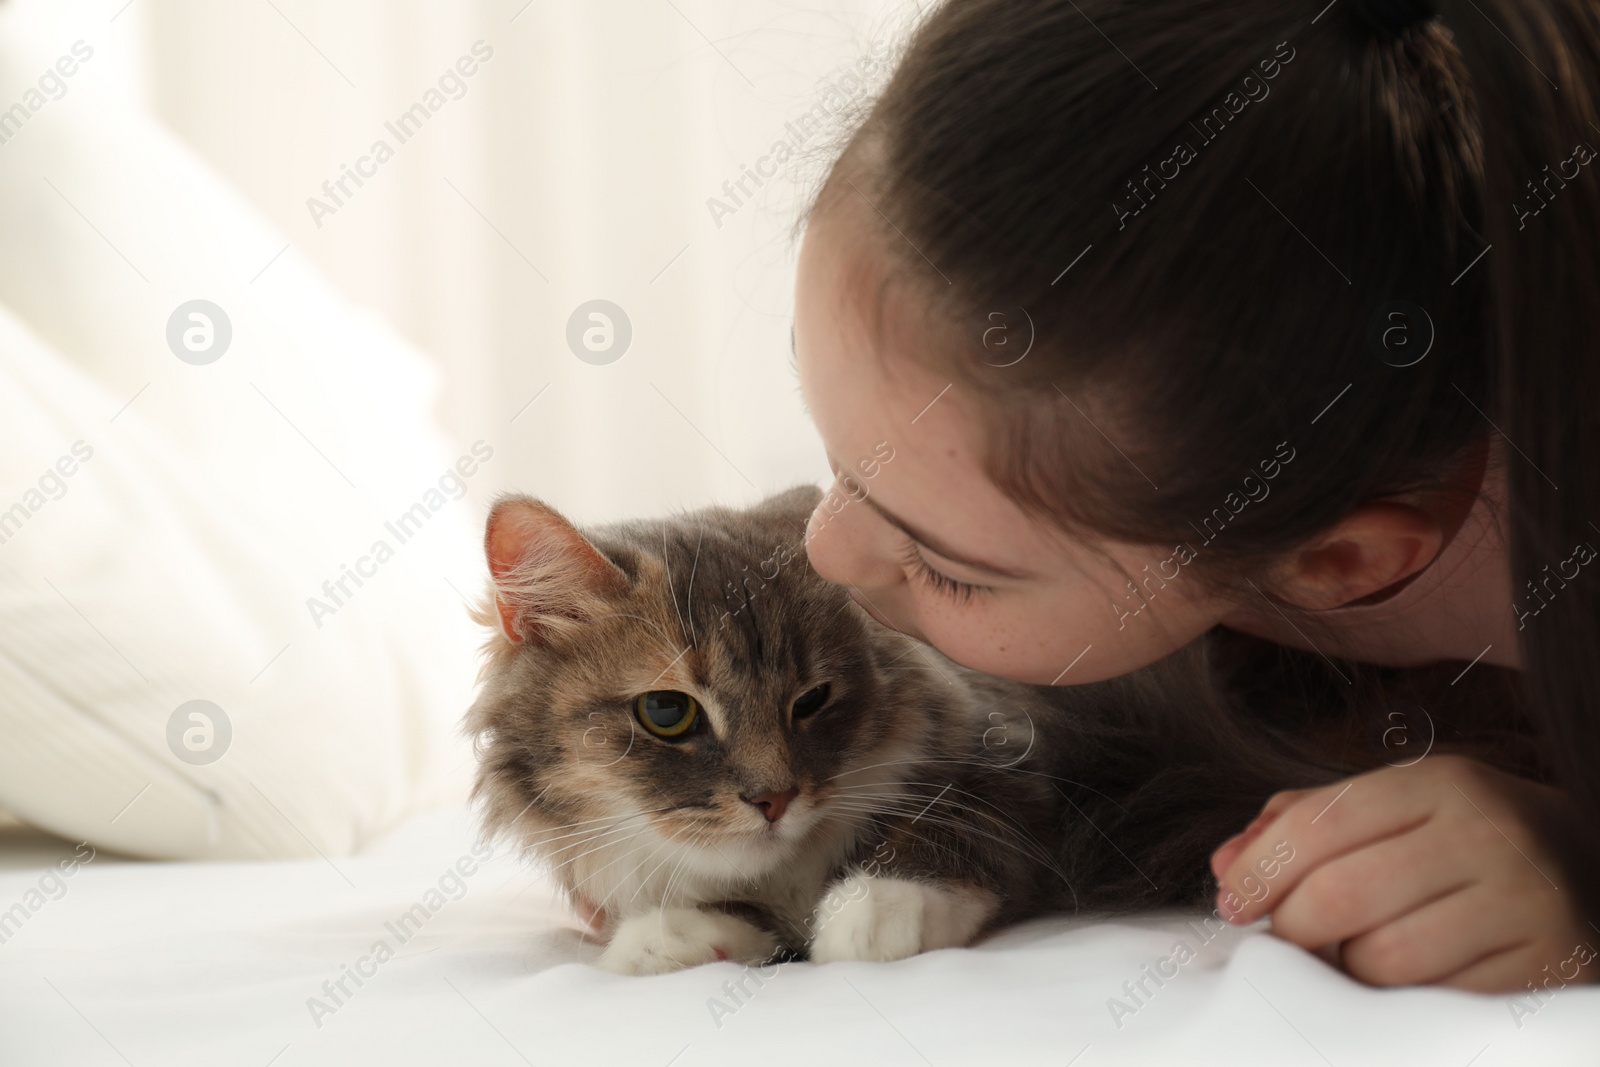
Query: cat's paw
670,939
882,919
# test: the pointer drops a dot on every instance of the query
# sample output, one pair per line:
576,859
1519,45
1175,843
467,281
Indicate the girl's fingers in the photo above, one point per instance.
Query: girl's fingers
1319,826
1452,935
1424,874
1508,968
1372,885
1542,964
1229,850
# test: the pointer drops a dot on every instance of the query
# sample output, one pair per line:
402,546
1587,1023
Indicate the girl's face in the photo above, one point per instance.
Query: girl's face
924,540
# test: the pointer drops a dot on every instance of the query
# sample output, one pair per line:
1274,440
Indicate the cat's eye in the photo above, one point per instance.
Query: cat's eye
811,701
667,713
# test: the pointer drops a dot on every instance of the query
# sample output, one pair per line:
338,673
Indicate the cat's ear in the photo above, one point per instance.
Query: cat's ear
548,577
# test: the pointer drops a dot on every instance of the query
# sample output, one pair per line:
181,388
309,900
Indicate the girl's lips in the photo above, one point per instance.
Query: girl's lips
862,603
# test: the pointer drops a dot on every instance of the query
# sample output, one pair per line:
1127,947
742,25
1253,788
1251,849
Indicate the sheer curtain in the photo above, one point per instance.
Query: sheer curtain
475,170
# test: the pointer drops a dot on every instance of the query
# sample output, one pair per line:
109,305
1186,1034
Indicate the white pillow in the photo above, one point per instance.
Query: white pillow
166,529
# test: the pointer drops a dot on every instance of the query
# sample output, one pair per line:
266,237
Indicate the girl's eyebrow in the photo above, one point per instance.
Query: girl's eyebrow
927,542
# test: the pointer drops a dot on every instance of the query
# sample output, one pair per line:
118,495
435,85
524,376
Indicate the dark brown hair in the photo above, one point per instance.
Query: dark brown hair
1211,213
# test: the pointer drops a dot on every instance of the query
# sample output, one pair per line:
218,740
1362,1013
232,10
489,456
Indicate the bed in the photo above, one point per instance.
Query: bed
240,963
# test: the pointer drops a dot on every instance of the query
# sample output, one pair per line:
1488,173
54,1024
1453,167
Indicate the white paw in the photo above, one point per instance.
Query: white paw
881,919
670,939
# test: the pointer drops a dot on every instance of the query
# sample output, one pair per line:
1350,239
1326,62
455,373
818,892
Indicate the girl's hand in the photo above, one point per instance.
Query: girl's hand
1429,873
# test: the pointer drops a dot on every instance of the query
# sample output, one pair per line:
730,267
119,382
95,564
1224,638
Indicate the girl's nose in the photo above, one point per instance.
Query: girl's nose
847,542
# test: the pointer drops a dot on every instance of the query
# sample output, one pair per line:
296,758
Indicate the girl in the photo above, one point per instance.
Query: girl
1271,317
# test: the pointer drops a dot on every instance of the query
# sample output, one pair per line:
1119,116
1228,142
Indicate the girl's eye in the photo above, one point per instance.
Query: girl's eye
811,701
960,592
667,713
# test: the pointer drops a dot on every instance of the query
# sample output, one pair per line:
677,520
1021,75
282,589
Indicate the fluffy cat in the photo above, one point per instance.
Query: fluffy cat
721,756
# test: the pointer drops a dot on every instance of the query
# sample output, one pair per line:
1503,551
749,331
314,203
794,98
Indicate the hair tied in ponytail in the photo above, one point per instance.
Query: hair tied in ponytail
1393,16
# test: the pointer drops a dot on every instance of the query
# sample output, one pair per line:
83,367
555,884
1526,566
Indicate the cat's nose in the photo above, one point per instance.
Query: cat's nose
773,804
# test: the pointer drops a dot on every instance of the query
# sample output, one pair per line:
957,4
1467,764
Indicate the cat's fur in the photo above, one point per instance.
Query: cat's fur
934,803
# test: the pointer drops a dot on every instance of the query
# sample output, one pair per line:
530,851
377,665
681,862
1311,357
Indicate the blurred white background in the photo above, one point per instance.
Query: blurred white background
576,164
560,152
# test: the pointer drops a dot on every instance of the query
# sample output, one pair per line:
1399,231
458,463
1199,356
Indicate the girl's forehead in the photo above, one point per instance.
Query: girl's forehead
856,356
872,324
869,390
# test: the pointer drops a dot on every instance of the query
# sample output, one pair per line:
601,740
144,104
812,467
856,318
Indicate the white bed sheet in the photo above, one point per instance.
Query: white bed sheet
215,963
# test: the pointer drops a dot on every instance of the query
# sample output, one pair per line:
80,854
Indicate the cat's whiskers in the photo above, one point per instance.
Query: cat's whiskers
672,590
553,871
902,801
656,840
1029,846
583,822
590,847
926,842
612,885
671,829
525,808
603,818
916,815
698,829
594,837
947,788
908,802
914,760
662,630
672,849
979,761
678,871
959,761
694,639
853,820
591,837
647,843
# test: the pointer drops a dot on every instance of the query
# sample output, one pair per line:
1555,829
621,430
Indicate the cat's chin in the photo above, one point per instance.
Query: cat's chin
733,859
787,832
755,853
762,844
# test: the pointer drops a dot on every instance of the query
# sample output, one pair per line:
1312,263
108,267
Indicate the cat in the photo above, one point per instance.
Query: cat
721,756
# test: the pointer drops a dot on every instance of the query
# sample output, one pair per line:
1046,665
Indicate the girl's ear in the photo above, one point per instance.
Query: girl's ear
1375,546
548,578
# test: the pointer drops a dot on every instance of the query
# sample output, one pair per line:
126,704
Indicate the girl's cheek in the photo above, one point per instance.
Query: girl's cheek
992,654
